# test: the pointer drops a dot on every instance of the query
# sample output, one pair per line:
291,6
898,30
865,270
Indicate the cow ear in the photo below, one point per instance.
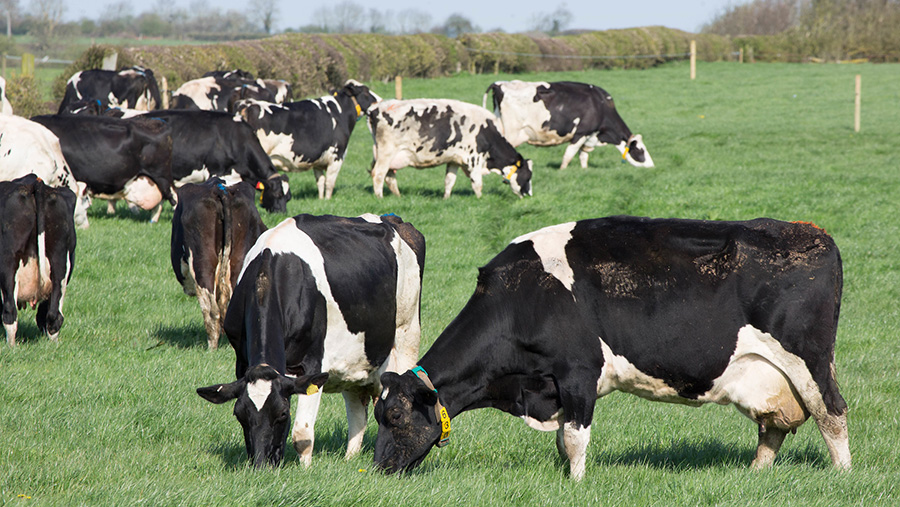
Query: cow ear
220,393
425,396
309,384
389,379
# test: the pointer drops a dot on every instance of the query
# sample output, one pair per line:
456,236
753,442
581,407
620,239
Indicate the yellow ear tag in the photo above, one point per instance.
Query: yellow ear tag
518,163
312,389
625,153
358,110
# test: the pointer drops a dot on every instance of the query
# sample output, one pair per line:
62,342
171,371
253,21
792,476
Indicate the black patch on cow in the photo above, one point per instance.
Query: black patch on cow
594,107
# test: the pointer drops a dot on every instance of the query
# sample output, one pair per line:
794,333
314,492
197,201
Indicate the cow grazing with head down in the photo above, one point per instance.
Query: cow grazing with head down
211,143
213,228
37,252
320,294
27,147
548,114
310,134
220,90
431,132
118,159
682,311
133,88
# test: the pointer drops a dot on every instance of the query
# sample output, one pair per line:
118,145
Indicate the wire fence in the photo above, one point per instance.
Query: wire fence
579,57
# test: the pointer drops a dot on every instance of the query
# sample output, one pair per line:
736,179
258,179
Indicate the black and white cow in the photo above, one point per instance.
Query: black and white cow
321,294
310,134
37,252
118,159
213,228
548,114
220,90
431,132
5,106
133,88
27,147
681,311
211,143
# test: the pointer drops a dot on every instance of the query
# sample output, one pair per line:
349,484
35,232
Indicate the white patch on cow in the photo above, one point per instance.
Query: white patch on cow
405,352
372,219
259,392
199,90
385,393
522,117
303,434
73,81
619,374
576,439
196,176
551,424
639,140
5,106
550,245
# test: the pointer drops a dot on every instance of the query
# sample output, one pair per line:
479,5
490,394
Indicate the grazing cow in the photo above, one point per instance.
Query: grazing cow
5,106
213,227
220,90
133,88
430,132
27,147
117,159
548,114
309,134
682,311
37,252
211,143
321,294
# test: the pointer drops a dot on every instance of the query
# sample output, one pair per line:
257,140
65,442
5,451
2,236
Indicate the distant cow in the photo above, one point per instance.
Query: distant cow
220,90
213,227
682,311
5,106
430,132
118,159
310,134
133,88
27,147
37,252
210,143
320,294
548,114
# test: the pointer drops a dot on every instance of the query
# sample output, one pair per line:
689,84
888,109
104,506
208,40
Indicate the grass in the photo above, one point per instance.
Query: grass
109,415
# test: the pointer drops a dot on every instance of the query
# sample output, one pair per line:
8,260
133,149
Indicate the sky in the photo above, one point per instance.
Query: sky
512,17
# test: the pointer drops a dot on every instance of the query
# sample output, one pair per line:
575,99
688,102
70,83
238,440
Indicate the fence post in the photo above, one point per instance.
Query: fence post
165,93
750,54
496,66
27,64
398,87
693,60
741,56
857,112
109,62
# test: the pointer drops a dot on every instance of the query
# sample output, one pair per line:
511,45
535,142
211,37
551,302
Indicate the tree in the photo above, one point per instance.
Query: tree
48,14
455,25
553,23
412,21
348,17
264,12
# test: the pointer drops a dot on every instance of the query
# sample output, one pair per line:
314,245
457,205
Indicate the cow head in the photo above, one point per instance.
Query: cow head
276,192
634,151
407,425
518,176
263,406
361,93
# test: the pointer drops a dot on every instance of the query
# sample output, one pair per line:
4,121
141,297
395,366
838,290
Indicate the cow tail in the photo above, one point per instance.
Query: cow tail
484,98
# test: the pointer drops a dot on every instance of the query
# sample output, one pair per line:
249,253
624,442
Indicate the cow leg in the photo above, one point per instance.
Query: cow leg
379,172
561,442
575,440
156,214
211,317
837,438
303,435
391,180
570,152
331,175
476,176
583,158
320,181
770,440
356,421
450,179
111,207
10,313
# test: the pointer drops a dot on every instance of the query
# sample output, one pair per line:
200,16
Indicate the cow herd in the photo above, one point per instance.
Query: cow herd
682,311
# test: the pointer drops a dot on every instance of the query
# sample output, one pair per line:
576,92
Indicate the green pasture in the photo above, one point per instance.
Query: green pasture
109,416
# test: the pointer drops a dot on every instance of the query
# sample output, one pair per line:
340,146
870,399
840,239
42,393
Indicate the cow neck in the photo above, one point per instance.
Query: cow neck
456,376
353,109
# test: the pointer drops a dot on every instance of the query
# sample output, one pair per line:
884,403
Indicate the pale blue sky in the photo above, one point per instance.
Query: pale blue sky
688,15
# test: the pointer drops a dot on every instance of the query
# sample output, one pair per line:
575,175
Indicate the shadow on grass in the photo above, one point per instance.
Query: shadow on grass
186,337
688,455
124,213
28,332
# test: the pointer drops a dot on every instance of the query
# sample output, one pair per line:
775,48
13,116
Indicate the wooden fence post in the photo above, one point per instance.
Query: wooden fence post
741,56
857,112
27,64
398,88
693,60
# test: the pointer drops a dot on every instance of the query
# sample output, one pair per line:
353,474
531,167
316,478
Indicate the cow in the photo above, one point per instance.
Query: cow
134,88
682,311
5,106
431,132
549,114
321,294
211,143
213,228
37,252
27,147
309,134
220,90
118,159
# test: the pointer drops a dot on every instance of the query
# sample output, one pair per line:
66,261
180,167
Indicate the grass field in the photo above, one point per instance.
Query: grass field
109,416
